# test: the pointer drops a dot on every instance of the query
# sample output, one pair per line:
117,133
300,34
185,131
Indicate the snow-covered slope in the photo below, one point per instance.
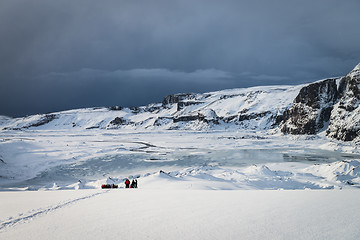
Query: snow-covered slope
271,176
257,108
4,120
165,214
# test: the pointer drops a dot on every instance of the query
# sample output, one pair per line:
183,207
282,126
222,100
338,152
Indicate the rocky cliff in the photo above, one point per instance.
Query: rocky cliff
311,109
331,105
345,116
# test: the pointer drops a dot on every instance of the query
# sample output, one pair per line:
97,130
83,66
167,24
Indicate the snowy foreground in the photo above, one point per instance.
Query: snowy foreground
212,185
180,214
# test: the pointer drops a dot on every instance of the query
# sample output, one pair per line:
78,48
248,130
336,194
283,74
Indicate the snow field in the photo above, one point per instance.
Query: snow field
17,206
184,214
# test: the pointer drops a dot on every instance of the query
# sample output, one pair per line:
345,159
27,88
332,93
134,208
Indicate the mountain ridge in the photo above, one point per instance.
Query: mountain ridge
324,105
190,111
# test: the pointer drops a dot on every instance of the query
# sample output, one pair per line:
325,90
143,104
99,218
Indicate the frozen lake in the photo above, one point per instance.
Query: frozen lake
37,159
137,163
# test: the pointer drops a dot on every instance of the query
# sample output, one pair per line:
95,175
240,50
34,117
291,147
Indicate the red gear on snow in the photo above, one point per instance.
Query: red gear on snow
127,183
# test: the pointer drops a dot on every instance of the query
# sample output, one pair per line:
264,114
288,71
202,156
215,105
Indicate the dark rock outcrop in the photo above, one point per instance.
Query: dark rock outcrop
118,121
188,118
116,108
162,121
323,102
135,109
345,117
182,105
209,117
311,109
243,117
176,98
44,120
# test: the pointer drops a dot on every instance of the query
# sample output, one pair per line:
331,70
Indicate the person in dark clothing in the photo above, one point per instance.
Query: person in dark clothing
134,183
127,183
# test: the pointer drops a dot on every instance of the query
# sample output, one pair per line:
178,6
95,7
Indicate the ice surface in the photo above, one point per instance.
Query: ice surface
52,160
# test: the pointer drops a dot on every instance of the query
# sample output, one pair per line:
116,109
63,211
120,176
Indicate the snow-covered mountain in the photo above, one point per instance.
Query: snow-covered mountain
256,108
330,104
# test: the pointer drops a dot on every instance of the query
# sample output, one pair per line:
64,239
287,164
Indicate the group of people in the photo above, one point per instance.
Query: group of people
132,185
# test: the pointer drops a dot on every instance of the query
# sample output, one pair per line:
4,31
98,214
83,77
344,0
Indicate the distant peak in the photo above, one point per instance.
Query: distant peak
355,72
357,67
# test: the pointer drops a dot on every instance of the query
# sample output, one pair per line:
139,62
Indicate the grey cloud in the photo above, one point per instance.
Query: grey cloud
156,47
200,75
265,77
97,88
197,76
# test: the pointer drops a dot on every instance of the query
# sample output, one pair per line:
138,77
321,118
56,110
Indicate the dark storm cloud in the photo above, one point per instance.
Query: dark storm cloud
65,54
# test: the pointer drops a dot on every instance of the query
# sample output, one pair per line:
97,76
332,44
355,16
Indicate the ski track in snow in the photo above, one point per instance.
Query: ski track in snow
11,221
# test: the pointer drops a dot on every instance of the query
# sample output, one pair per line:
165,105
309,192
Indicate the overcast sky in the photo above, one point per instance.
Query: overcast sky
64,54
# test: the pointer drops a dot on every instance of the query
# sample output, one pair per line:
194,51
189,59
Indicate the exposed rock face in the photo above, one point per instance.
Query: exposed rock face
324,101
345,117
117,122
188,118
208,116
311,108
176,98
116,108
182,105
135,109
44,120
